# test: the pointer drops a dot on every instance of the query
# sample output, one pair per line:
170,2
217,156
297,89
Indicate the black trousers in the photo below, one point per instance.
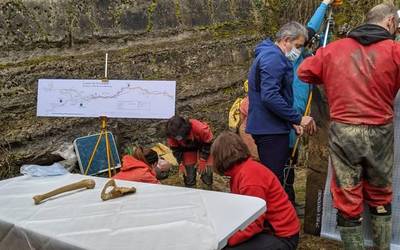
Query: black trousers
290,176
264,241
273,151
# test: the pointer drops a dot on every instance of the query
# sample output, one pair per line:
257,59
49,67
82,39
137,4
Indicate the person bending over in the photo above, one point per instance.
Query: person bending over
143,166
279,226
190,141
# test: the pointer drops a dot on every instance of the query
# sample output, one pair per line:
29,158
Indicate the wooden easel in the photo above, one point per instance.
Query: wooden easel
103,133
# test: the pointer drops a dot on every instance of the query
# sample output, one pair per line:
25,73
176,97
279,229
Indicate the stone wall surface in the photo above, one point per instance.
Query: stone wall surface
206,45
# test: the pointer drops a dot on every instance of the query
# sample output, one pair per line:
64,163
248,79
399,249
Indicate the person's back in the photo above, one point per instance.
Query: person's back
280,214
135,170
140,166
360,75
278,227
361,78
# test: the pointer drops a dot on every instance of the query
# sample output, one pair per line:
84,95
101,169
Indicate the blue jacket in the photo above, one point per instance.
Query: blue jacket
301,90
270,92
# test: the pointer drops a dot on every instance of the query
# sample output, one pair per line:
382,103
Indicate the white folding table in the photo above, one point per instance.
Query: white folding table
156,217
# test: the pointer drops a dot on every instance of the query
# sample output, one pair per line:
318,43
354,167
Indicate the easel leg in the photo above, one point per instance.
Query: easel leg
108,154
110,160
113,162
93,153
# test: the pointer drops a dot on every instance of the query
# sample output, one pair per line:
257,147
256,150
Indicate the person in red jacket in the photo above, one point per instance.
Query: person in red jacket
190,141
279,226
361,78
139,167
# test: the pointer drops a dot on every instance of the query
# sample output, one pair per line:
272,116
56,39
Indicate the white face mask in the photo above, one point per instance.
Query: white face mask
293,55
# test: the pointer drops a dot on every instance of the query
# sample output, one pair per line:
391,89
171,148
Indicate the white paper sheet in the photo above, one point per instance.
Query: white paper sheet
115,98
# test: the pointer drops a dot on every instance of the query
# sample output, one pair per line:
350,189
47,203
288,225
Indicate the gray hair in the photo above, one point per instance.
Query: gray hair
378,13
292,30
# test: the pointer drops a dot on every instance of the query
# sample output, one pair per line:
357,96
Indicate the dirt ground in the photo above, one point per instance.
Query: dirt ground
307,242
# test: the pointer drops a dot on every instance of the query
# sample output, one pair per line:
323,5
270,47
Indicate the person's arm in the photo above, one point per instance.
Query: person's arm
318,18
255,227
310,71
271,74
203,133
176,149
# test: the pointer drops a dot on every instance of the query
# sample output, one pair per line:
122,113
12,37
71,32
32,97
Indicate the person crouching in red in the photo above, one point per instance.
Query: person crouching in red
139,167
279,226
190,141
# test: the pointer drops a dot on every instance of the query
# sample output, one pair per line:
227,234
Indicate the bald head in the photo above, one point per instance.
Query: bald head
384,15
380,12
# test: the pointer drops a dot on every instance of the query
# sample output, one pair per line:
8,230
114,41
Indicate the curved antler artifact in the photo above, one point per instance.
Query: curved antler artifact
116,191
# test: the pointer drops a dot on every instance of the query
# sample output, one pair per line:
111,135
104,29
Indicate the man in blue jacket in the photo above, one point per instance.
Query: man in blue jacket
302,90
271,113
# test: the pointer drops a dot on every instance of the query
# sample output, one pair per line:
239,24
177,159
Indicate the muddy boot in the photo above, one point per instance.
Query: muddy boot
381,222
351,233
352,238
189,178
207,178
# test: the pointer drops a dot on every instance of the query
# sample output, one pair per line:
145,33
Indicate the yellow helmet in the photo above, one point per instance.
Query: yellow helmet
246,86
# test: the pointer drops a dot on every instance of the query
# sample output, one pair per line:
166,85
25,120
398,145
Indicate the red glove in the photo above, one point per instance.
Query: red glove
201,165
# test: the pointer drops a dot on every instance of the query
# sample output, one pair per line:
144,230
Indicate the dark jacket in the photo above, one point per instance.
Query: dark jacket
270,92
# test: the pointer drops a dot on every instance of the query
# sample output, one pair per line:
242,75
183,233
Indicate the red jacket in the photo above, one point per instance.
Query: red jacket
361,81
199,139
254,179
135,170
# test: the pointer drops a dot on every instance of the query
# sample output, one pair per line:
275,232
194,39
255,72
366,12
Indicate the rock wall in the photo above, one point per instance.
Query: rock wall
206,45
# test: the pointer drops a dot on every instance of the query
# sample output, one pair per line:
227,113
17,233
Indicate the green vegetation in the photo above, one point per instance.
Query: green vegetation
150,11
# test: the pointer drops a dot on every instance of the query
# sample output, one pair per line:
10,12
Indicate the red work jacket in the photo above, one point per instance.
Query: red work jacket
254,179
360,81
199,135
134,170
